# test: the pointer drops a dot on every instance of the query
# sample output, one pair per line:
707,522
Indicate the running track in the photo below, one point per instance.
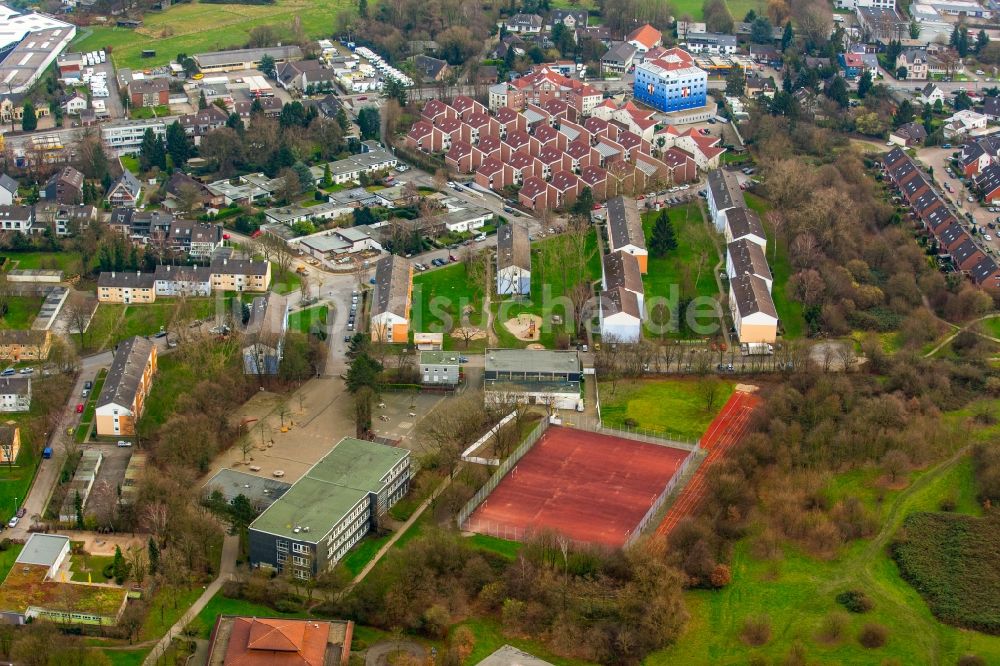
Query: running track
725,430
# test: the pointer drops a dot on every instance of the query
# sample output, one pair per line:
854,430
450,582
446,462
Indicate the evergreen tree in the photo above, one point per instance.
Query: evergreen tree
735,82
151,151
584,204
395,90
837,91
363,8
982,41
664,240
235,122
864,84
267,66
202,102
914,29
119,567
904,114
178,144
327,176
256,107
761,31
342,119
788,37
29,121
78,505
369,122
786,81
154,556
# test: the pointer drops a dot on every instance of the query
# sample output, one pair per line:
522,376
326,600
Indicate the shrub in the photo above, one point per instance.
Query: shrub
630,423
873,635
855,601
948,504
109,570
288,606
721,576
756,630
971,660
5,545
834,627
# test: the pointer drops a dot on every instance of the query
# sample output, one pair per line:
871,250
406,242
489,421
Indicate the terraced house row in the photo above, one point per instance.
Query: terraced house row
550,148
954,243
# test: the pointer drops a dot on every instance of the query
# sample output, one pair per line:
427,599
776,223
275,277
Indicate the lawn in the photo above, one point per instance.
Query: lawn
21,312
508,549
90,565
174,376
309,319
549,285
126,657
489,638
145,112
738,8
362,554
69,262
195,28
991,326
167,605
220,605
789,310
797,593
689,270
673,406
285,283
113,322
7,558
15,481
440,297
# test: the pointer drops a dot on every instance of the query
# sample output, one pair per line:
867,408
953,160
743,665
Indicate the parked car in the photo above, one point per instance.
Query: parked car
79,408
85,393
27,371
88,385
7,372
13,522
122,443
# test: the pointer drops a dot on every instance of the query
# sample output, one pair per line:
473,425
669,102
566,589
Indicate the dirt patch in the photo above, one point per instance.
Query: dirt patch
535,346
470,333
527,327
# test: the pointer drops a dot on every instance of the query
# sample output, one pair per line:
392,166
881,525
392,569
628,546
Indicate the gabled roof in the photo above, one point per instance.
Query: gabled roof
7,183
490,166
965,252
122,382
127,182
513,247
983,270
751,296
520,160
748,259
282,642
725,189
125,279
592,175
17,385
989,179
624,223
392,286
564,180
646,35
532,187
744,222
430,67
620,300
621,269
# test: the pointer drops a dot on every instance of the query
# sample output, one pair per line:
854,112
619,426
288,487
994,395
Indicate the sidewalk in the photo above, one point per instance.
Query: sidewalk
230,550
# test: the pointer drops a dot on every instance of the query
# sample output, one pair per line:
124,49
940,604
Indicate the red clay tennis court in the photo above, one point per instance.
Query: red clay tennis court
587,486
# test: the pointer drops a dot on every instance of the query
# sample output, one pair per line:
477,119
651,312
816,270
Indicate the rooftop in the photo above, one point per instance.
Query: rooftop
262,491
330,489
438,358
624,223
42,549
513,246
123,378
532,360
392,286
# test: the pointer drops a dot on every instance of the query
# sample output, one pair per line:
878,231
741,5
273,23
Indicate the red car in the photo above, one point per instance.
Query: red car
256,234
79,408
226,236
362,98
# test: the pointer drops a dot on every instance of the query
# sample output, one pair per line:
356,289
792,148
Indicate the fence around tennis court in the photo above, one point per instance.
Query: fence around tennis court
692,459
501,472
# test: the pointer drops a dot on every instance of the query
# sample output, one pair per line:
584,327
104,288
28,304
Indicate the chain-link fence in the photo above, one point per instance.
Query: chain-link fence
692,459
501,472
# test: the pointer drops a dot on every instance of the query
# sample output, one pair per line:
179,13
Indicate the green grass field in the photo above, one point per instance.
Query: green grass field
307,320
166,606
21,312
738,8
991,327
173,377
16,480
7,558
508,549
362,554
113,322
440,297
789,311
220,605
195,28
92,566
548,285
674,406
64,261
126,657
690,269
797,592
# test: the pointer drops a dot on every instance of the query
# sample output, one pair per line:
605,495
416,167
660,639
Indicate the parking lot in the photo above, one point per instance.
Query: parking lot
953,189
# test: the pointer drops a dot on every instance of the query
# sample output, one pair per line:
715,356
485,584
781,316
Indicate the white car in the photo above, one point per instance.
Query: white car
988,237
13,522
972,199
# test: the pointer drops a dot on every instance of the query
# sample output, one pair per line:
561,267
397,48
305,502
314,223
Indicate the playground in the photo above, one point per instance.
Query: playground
526,327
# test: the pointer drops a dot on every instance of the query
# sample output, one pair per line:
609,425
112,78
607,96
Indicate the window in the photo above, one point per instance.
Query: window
282,545
299,561
301,548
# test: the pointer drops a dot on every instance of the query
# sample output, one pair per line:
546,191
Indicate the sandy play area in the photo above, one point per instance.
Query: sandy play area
527,327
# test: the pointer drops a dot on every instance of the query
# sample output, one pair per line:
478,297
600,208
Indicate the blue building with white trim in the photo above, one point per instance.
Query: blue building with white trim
671,82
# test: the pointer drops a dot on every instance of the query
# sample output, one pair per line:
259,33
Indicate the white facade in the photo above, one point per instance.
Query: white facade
513,280
15,402
621,327
126,137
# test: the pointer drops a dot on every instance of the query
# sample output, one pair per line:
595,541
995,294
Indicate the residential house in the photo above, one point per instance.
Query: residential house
240,275
621,316
915,63
65,187
908,135
197,239
73,104
563,188
723,192
171,280
621,270
265,334
753,312
712,43
64,220
851,65
17,218
991,109
534,194
8,190
744,257
596,179
625,229
965,123
20,345
431,69
126,287
571,18
513,260
757,86
645,38
15,394
391,300
149,92
930,94
125,191
618,59
524,23
988,183
743,223
126,386
198,124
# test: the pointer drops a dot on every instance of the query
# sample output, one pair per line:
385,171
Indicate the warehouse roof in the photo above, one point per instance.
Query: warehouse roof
532,360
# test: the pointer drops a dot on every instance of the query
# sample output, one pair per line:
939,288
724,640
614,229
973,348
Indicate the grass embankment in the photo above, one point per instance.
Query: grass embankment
220,605
789,310
68,262
196,28
677,407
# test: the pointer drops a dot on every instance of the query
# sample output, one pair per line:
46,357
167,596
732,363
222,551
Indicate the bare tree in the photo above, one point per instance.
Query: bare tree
79,309
138,563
